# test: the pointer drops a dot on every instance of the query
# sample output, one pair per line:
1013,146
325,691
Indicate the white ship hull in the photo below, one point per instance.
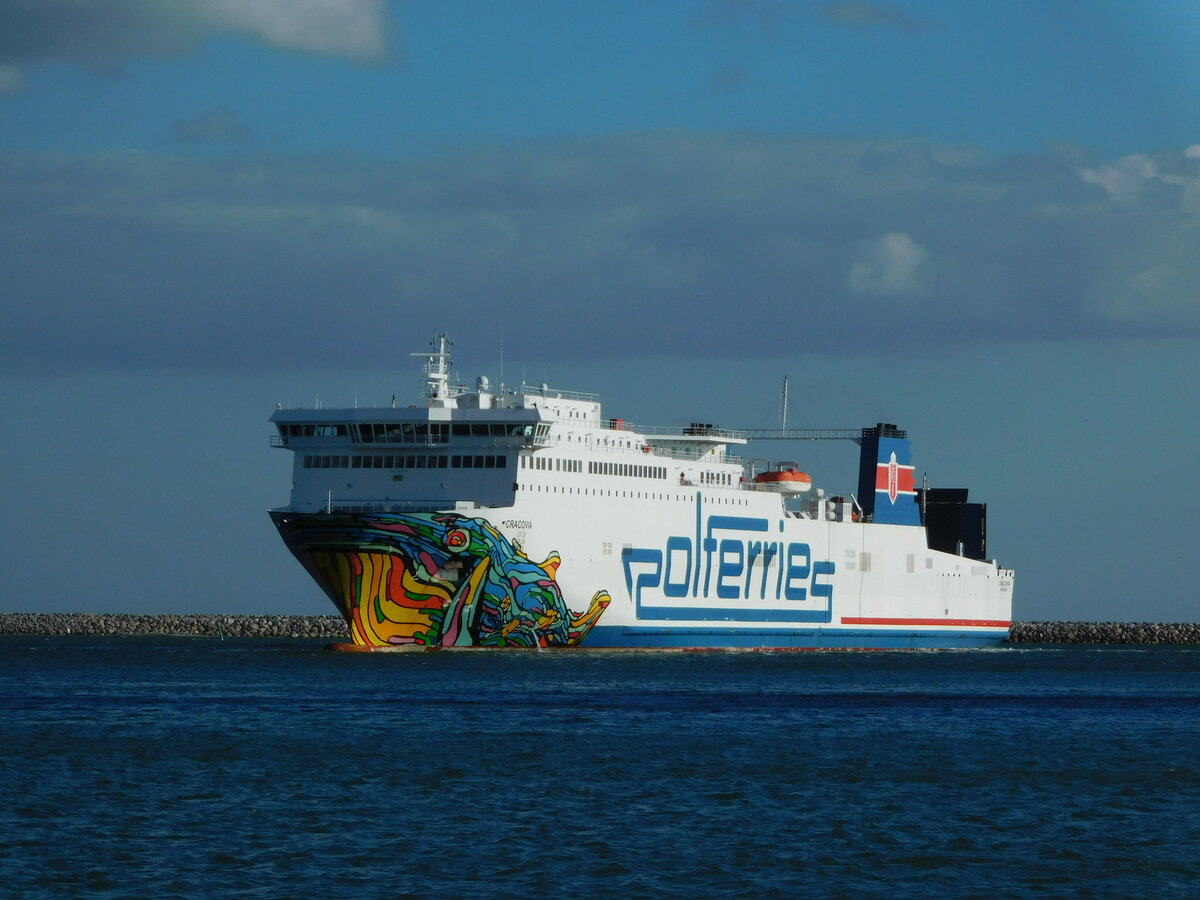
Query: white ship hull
709,570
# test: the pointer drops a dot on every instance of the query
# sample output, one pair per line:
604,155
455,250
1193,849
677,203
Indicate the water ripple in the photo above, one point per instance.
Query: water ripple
183,768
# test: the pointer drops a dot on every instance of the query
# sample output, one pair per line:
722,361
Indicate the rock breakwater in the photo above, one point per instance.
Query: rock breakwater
334,628
1104,633
241,626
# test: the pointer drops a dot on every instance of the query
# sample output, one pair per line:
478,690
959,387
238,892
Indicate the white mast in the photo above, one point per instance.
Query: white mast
437,372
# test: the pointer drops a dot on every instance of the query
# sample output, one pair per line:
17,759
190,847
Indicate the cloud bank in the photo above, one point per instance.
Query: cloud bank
101,32
699,244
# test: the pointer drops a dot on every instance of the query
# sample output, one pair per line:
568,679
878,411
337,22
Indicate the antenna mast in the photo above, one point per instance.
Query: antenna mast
438,391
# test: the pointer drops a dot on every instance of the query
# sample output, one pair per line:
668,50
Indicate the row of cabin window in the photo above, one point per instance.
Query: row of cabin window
481,461
414,432
716,478
630,495
441,432
631,469
556,464
551,464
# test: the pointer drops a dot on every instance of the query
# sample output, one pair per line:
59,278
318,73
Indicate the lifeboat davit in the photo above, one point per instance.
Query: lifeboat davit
783,481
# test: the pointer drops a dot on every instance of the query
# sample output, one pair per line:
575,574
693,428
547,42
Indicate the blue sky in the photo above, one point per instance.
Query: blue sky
977,220
416,78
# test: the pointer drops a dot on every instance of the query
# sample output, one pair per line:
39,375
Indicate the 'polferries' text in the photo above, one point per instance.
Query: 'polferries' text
730,565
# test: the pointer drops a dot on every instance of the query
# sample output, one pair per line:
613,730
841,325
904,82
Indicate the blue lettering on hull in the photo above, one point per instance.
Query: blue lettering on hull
730,559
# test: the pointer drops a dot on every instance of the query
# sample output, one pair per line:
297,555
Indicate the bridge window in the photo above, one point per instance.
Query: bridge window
326,462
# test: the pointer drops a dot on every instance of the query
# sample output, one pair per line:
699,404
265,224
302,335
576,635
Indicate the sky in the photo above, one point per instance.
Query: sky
980,221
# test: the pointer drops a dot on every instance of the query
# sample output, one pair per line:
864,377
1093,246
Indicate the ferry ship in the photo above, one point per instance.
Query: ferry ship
528,518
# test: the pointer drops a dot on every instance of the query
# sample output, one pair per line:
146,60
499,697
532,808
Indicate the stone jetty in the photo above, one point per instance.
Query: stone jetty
195,625
334,628
1104,633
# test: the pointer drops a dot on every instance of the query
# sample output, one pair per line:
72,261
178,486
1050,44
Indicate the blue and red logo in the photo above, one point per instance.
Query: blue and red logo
895,479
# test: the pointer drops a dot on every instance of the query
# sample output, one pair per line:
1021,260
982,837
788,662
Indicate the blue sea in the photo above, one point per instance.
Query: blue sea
176,767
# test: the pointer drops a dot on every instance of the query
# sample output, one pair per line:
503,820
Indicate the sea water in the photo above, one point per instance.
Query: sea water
177,767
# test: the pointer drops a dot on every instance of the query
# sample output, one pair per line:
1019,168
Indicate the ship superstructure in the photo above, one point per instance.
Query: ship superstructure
527,517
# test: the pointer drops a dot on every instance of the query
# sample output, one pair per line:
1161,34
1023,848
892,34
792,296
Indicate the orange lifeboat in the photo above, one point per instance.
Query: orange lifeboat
783,481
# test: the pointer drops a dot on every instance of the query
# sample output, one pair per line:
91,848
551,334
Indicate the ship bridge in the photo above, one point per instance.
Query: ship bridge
413,426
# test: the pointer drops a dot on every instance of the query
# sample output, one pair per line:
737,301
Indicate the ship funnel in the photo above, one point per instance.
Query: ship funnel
886,484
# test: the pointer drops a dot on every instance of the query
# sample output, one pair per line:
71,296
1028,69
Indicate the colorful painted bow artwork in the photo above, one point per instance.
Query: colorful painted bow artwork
436,579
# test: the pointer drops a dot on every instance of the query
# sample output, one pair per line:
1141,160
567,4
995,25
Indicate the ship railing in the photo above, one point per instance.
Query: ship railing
311,440
692,456
514,442
697,429
694,430
542,390
357,505
644,451
687,431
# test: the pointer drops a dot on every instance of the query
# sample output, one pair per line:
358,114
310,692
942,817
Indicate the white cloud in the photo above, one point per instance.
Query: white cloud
1123,178
890,264
100,32
1134,180
353,28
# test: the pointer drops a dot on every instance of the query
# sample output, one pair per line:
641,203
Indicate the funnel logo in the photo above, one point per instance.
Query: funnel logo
893,478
